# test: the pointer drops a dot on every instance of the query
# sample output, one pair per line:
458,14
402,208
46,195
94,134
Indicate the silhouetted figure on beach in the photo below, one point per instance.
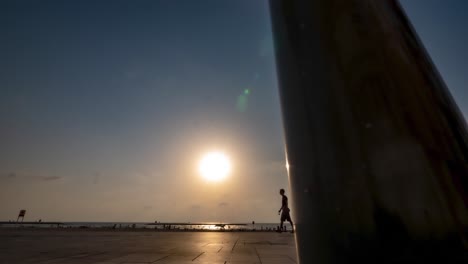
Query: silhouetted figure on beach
284,210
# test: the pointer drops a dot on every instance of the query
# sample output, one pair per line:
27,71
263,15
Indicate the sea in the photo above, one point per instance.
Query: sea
204,226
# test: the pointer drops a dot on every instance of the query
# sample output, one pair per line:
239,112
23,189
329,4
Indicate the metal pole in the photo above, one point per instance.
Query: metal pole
376,147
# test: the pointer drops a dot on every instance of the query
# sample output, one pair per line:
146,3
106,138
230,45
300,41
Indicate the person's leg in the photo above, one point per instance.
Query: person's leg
292,225
291,222
282,219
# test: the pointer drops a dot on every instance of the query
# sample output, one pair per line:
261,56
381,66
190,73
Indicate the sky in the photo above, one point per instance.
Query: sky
107,107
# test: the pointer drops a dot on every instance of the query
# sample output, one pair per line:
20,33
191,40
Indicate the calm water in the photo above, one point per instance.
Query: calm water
144,225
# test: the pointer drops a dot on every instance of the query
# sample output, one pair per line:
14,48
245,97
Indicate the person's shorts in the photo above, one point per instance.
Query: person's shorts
285,216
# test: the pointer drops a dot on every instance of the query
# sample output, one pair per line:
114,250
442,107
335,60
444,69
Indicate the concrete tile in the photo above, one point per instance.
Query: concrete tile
277,261
138,257
111,247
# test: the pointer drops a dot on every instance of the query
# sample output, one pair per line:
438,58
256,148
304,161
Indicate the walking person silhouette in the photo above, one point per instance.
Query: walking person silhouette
284,210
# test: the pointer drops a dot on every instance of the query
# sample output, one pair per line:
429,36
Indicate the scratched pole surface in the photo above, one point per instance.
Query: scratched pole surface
377,148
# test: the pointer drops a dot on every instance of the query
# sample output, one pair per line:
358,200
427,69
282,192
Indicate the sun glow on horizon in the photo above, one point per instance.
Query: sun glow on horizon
215,166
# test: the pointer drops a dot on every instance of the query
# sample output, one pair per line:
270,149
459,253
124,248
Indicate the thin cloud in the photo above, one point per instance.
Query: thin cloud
21,176
195,207
223,204
51,178
8,176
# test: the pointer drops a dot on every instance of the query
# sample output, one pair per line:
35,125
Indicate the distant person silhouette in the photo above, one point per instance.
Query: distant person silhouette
284,210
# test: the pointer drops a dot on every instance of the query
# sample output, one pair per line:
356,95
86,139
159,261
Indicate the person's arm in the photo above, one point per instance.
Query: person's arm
279,211
283,204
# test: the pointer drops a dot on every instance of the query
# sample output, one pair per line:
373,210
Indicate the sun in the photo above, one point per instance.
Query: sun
215,166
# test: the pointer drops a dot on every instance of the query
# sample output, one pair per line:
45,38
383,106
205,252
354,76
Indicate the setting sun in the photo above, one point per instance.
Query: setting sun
215,166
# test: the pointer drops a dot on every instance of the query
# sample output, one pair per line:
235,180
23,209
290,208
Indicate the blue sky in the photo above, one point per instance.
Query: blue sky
107,106
442,26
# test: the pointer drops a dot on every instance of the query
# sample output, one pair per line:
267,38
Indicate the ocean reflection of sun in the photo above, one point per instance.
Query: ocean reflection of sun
215,166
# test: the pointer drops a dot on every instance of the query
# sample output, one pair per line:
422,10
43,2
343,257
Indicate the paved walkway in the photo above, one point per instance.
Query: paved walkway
105,247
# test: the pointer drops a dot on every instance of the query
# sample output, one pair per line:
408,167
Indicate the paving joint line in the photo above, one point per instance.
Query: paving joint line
258,255
160,259
234,245
293,260
198,256
232,250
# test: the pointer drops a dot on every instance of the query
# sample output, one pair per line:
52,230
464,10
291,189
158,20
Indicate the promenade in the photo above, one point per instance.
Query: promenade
67,246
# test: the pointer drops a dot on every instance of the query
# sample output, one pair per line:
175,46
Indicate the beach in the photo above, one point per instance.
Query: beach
106,246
